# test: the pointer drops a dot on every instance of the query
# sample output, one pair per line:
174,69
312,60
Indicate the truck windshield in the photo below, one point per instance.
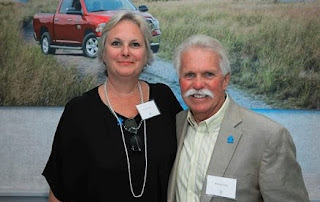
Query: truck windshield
107,5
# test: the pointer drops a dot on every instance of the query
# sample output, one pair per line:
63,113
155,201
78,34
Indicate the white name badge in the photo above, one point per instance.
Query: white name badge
221,186
148,110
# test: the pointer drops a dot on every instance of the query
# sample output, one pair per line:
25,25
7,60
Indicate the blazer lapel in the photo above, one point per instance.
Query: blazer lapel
223,151
181,130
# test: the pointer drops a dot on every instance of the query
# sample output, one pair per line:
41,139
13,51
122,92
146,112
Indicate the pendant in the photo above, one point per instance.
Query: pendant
131,126
130,123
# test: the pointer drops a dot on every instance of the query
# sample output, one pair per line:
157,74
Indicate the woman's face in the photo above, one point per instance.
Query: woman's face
125,50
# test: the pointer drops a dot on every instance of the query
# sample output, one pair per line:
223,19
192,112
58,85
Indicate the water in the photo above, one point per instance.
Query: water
286,1
164,72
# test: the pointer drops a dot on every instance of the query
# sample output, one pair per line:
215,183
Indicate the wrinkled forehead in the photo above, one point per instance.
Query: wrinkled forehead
197,54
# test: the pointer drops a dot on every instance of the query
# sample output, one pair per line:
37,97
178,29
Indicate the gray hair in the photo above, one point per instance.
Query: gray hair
136,19
206,42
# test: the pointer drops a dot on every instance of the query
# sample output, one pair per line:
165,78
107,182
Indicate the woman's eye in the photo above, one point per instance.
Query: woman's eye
135,44
115,43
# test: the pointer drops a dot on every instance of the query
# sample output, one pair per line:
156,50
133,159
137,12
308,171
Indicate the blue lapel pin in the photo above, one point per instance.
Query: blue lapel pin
230,139
120,121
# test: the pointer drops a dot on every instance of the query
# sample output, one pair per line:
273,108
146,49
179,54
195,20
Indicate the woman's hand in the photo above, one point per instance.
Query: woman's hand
52,198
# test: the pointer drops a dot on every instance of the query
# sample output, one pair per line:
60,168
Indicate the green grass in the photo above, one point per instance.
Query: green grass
274,48
27,77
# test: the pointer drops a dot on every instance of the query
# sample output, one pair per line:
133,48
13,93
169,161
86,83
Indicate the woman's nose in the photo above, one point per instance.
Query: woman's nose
125,51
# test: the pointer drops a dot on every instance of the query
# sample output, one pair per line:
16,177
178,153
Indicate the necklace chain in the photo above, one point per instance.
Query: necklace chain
135,129
124,143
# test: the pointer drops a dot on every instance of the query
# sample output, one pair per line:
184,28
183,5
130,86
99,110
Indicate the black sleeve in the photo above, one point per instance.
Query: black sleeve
170,99
165,127
65,169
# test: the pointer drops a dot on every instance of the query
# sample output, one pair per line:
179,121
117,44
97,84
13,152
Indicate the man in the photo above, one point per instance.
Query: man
226,152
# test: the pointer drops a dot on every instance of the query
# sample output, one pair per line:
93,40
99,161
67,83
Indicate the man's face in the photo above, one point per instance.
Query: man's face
200,70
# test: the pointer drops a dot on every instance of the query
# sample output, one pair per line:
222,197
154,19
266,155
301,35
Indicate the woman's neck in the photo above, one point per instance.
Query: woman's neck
122,88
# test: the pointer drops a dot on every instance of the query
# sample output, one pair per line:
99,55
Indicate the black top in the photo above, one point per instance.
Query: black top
88,160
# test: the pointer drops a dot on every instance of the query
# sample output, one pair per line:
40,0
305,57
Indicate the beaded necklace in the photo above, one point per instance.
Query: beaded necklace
124,143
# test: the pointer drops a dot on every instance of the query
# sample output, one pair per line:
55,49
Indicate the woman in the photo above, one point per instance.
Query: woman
105,149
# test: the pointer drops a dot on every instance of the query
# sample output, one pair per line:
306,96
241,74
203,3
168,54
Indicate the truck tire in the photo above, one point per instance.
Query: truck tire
45,44
90,45
155,48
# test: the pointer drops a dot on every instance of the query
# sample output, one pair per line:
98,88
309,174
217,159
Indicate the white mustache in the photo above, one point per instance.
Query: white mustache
199,93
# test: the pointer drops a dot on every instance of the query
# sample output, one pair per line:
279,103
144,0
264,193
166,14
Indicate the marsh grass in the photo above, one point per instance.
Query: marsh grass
27,77
274,48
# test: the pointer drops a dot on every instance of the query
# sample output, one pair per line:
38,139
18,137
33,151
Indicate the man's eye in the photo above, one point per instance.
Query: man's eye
189,75
209,74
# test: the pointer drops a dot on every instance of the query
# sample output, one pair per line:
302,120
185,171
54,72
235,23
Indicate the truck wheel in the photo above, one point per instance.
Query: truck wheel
45,44
155,48
90,45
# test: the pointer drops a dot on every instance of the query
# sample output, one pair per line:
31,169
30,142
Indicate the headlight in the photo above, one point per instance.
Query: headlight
156,24
100,27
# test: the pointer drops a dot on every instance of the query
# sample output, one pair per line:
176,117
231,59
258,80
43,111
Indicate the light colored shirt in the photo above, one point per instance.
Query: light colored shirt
196,153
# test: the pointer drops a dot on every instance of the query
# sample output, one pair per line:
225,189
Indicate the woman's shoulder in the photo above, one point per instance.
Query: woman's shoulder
85,99
164,97
161,91
161,87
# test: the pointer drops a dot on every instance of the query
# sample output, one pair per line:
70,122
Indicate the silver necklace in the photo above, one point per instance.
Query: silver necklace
124,143
134,128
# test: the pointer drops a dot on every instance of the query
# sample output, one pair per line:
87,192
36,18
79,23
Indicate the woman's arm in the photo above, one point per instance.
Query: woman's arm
52,198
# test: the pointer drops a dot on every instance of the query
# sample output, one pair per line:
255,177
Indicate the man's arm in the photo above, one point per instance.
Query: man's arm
280,174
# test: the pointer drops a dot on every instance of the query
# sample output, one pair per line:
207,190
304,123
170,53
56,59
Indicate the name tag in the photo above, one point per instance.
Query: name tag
221,186
148,110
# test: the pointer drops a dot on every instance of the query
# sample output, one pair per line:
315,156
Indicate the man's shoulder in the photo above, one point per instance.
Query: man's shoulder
253,119
183,114
181,118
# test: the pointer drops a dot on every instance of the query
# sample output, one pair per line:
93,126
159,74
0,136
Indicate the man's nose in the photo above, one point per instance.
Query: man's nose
199,83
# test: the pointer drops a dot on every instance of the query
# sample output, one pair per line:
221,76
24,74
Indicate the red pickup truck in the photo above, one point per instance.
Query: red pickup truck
77,24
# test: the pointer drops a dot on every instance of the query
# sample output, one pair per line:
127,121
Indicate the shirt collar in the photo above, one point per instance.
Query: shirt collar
213,120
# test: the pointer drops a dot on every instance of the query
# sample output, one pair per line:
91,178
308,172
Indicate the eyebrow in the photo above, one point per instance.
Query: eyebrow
122,40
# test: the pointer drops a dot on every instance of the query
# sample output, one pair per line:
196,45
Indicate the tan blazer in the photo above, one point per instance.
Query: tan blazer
262,158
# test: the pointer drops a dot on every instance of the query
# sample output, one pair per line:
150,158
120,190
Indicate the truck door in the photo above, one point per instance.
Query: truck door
68,28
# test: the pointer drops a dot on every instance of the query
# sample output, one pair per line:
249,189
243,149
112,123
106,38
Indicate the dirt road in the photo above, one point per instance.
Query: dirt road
159,71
